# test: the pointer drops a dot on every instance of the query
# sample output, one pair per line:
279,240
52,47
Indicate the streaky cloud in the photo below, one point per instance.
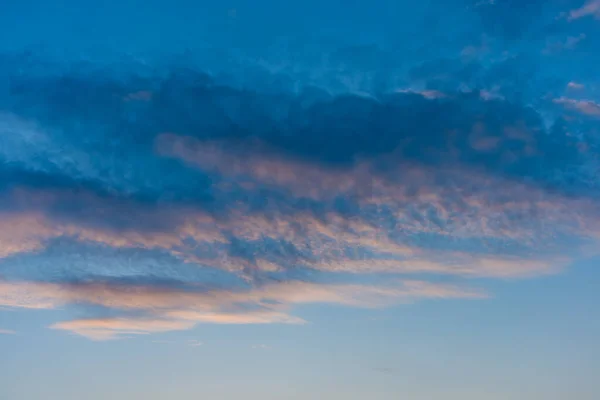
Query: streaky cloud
586,107
167,199
181,309
591,7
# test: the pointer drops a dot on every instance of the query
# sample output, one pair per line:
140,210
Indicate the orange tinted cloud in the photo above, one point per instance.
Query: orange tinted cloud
451,264
586,107
22,233
465,203
447,205
113,328
178,309
50,295
31,229
301,178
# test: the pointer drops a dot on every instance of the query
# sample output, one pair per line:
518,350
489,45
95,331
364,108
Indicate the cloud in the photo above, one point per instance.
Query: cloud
336,244
586,107
127,297
21,234
575,85
7,332
29,231
247,318
446,205
172,309
592,7
456,264
112,328
428,94
568,44
499,213
172,200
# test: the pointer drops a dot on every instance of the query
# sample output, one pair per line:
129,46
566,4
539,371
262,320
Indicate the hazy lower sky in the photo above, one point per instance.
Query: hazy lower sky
299,200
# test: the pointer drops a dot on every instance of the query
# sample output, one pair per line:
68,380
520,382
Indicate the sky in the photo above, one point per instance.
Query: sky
299,200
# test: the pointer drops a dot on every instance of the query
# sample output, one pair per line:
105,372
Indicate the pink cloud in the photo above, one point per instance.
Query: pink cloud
575,85
174,309
113,328
586,107
451,203
469,205
590,8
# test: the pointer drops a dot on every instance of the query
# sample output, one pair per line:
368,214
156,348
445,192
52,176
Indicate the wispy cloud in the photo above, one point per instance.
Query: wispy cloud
575,85
586,107
497,214
592,7
106,329
7,332
171,309
468,205
568,44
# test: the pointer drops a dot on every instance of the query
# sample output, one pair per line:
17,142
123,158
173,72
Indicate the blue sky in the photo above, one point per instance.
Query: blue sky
299,200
